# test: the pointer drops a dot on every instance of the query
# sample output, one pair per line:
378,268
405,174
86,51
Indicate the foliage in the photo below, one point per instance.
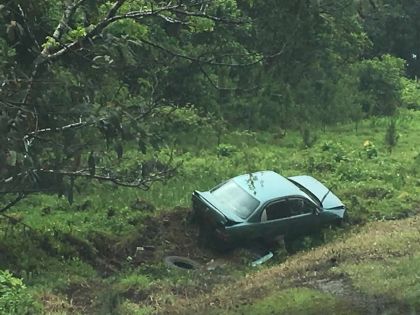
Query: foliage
225,149
308,138
183,95
411,93
384,21
110,64
14,296
380,82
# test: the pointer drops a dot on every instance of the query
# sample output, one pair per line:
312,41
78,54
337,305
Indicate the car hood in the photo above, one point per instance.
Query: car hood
220,208
319,190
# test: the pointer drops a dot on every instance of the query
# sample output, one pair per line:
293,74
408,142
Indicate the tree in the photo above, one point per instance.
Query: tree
83,81
381,84
312,45
393,27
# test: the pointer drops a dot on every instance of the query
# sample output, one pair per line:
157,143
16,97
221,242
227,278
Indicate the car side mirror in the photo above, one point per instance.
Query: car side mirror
316,211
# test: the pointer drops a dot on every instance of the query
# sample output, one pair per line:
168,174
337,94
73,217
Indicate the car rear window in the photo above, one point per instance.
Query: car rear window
235,199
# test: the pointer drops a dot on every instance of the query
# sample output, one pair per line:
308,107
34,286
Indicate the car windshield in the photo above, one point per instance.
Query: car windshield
236,199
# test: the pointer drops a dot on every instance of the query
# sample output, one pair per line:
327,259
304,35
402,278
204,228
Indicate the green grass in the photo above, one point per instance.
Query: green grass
383,186
292,301
373,186
395,277
371,267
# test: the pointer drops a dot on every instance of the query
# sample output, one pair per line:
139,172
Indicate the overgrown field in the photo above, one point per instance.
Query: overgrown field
105,252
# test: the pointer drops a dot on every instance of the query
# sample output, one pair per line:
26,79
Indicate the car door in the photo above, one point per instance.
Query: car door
257,228
275,219
304,217
292,216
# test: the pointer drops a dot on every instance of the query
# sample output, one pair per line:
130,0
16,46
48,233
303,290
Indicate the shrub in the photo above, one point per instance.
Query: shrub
411,94
308,137
381,84
14,296
391,135
370,149
225,149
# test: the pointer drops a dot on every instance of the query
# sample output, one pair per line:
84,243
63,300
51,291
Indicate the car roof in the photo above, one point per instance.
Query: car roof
267,185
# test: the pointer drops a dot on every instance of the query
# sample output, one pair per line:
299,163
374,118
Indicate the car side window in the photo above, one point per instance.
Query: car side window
287,208
300,206
276,210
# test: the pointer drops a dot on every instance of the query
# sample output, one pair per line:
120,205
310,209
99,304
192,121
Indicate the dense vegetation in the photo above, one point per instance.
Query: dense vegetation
113,112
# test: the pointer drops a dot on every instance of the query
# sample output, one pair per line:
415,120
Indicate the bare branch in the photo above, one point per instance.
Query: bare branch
28,92
15,221
12,203
68,14
57,129
209,17
172,20
211,62
114,9
220,88
143,183
27,139
28,30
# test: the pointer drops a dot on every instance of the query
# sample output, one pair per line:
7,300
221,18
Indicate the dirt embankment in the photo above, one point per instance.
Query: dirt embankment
324,269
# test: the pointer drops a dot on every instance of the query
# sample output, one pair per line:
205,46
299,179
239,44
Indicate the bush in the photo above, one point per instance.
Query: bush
381,84
308,138
14,296
411,94
225,149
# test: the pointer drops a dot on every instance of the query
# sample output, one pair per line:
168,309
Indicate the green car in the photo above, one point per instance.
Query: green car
264,205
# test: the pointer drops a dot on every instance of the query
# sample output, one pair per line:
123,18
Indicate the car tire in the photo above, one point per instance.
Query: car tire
181,263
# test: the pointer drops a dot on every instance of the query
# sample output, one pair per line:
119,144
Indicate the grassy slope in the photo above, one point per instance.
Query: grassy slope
374,269
102,228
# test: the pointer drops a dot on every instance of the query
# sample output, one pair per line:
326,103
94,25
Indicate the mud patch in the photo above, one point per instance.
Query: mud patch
365,304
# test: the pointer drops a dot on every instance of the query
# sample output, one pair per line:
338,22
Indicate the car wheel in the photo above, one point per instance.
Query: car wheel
181,263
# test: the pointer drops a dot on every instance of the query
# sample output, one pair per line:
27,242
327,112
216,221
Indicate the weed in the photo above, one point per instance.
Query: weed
391,135
14,296
308,137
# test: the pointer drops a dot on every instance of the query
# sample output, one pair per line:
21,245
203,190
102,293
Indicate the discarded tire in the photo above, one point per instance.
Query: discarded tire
181,263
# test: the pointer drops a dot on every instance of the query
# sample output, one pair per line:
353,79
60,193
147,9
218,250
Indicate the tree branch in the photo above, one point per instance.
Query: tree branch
209,17
65,19
28,30
12,203
220,88
142,183
210,62
27,139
